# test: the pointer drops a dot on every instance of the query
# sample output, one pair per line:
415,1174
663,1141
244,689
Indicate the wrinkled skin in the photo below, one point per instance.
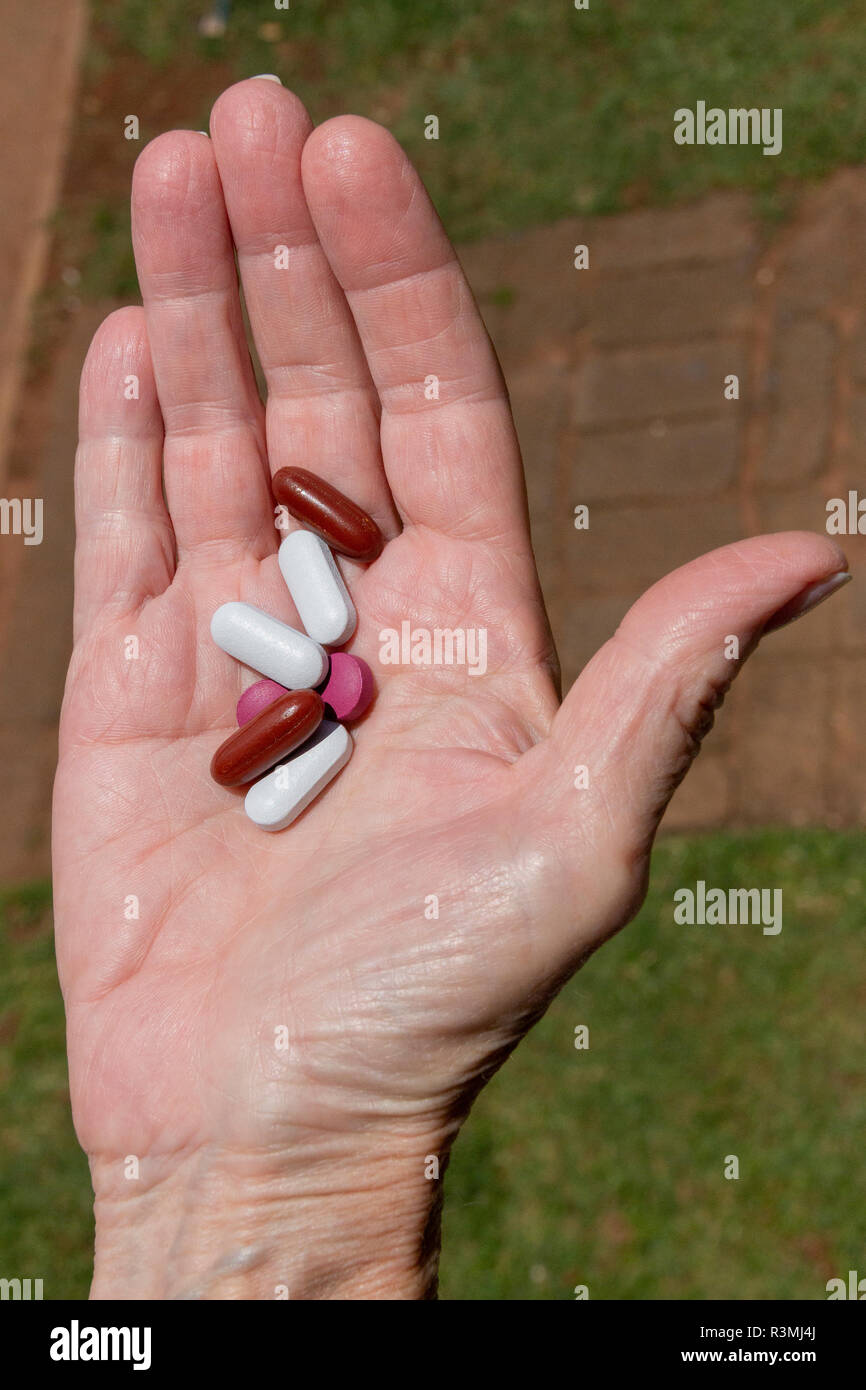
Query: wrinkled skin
460,786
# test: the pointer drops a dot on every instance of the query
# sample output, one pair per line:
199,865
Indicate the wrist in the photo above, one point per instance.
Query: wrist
235,1226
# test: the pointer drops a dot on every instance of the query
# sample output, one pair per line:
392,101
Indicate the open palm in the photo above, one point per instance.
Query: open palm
362,973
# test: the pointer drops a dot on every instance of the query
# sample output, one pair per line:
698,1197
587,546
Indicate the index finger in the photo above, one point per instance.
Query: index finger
448,439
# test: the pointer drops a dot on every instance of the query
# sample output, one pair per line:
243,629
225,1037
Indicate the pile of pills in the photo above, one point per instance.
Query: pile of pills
291,738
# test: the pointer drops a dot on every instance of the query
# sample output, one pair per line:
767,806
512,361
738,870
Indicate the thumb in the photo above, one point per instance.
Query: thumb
636,716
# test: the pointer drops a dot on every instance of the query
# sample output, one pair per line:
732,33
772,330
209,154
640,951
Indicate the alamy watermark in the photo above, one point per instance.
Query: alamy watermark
20,1289
77,1343
853,1287
846,516
22,516
705,906
439,646
736,126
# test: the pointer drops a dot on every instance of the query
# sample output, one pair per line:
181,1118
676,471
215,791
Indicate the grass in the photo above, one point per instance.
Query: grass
604,1166
544,111
45,1197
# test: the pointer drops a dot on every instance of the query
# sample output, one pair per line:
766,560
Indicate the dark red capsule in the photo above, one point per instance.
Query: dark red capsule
340,522
267,738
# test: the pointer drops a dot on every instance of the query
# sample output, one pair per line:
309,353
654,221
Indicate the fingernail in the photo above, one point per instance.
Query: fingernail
807,600
203,132
268,76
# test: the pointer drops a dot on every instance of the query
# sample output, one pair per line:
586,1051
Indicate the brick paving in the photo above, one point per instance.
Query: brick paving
616,374
39,58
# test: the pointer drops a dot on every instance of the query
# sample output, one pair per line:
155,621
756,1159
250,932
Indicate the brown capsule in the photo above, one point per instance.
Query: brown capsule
268,738
346,528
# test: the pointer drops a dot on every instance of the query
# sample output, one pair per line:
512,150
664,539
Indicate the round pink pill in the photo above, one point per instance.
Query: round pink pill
350,686
256,698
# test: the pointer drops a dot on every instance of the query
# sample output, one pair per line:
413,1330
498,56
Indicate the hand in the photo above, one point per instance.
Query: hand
303,1166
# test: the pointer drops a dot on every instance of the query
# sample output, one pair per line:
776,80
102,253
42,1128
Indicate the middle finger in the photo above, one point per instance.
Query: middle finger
323,409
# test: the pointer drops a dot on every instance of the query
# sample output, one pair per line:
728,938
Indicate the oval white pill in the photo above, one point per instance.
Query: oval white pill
282,794
278,651
317,588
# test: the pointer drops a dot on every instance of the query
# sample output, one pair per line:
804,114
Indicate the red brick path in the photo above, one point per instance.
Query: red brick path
616,374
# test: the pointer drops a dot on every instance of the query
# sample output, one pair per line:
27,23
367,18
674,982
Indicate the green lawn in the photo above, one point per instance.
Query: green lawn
45,1197
603,1166
544,111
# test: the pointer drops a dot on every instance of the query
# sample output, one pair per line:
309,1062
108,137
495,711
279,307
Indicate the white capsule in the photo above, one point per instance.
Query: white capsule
282,794
278,651
317,588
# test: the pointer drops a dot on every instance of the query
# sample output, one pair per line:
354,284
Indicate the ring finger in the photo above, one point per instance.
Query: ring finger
214,461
